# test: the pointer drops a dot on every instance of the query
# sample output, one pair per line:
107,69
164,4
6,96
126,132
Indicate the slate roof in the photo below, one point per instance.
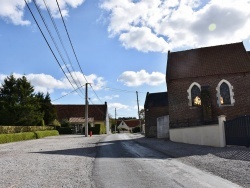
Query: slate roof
130,123
98,112
156,100
214,60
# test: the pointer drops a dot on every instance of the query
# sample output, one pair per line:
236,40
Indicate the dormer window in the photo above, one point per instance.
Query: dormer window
194,95
225,94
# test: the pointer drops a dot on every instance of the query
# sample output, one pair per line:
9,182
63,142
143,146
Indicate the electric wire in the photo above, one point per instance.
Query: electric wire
48,43
67,93
74,50
51,36
60,38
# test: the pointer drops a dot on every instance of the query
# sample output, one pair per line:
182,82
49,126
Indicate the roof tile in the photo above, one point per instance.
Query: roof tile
214,60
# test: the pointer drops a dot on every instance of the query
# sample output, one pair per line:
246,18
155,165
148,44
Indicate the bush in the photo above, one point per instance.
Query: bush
5,138
21,129
136,130
56,123
42,134
64,130
98,129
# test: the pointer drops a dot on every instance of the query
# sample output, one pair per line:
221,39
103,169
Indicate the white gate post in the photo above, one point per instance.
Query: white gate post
221,120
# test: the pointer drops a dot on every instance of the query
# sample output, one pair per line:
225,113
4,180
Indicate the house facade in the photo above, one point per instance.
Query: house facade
155,106
73,113
128,125
205,83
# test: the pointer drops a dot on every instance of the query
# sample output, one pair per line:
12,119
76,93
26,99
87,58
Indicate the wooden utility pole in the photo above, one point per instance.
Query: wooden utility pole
115,120
138,110
86,110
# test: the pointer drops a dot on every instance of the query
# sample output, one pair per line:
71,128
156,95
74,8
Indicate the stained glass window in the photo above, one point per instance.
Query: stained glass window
225,94
196,95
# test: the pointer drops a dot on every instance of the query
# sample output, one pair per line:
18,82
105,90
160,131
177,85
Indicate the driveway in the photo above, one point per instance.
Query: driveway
61,161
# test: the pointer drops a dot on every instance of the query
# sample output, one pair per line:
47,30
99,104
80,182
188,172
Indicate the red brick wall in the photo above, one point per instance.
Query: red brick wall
151,119
178,97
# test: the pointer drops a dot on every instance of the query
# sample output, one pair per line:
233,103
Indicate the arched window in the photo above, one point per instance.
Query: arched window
225,93
194,94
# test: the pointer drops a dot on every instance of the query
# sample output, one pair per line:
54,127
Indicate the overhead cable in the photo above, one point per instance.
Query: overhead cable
74,50
48,43
58,50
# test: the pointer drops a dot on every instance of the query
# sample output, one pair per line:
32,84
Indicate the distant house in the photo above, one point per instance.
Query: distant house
128,125
207,82
155,106
74,114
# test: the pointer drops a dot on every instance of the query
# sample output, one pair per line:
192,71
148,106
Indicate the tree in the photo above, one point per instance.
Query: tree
19,106
142,114
47,108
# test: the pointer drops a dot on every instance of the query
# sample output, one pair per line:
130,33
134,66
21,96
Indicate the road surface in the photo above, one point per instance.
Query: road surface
121,162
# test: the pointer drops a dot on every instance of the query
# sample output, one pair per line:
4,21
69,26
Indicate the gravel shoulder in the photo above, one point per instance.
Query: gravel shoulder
60,161
231,163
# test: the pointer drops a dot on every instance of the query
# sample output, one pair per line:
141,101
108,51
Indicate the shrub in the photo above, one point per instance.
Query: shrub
42,134
5,138
64,130
20,129
56,123
98,129
136,130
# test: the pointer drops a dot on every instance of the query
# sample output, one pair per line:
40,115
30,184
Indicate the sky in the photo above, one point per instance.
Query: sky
119,46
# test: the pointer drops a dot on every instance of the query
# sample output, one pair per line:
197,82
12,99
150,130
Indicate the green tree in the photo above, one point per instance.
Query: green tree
142,114
19,106
47,108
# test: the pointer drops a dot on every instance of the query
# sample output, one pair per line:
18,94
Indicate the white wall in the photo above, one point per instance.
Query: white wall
163,127
209,135
204,135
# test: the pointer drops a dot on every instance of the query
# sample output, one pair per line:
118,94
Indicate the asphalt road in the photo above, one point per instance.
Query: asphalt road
123,163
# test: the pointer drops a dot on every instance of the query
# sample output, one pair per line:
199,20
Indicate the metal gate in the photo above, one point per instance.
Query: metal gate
237,131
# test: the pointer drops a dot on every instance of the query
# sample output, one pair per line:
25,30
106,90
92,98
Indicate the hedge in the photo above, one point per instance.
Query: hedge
5,138
42,134
20,129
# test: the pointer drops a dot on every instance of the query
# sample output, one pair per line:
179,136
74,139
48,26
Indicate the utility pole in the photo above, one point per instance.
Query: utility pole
115,120
86,110
138,110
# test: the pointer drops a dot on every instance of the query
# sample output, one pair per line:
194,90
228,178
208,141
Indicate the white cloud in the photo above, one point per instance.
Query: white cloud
161,25
118,106
13,10
105,98
64,5
131,78
47,83
135,38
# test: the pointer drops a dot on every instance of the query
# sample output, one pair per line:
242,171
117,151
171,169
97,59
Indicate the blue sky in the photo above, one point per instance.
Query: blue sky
121,45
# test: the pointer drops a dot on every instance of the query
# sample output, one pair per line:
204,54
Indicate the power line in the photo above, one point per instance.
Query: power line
74,50
48,43
68,93
58,50
60,38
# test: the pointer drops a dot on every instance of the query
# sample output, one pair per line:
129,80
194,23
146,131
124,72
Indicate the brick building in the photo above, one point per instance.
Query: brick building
207,82
97,114
156,105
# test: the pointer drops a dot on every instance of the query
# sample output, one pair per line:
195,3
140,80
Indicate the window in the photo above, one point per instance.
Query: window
225,93
194,94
